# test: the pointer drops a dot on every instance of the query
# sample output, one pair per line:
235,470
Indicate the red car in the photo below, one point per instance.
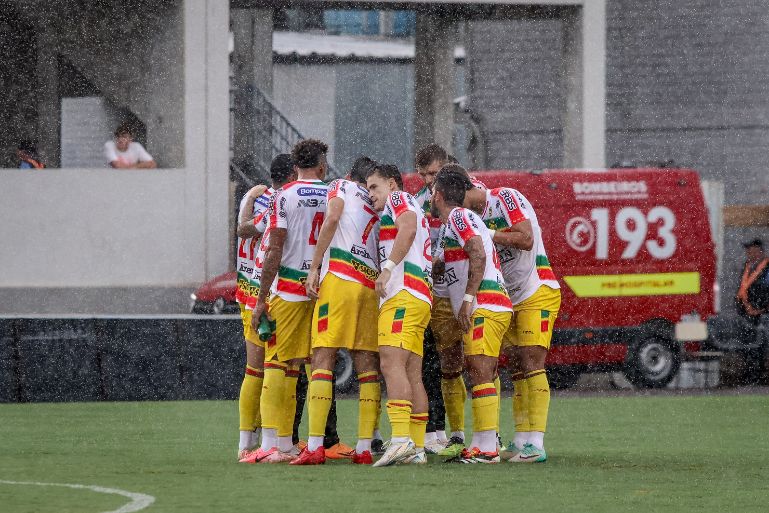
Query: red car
216,296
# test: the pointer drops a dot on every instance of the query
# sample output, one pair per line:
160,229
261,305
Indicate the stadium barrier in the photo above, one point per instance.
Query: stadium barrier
120,358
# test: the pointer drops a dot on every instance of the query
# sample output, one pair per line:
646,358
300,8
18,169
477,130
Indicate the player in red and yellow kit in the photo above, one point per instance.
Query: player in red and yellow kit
479,302
296,215
403,286
536,297
341,279
251,244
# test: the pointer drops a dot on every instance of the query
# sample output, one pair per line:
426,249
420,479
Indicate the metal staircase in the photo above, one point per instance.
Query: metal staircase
272,133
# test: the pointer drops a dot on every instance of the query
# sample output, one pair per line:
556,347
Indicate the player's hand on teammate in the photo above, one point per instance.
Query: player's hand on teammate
312,284
381,282
257,191
464,316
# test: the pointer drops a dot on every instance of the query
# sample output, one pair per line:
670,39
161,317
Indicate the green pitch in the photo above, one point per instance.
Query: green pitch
646,454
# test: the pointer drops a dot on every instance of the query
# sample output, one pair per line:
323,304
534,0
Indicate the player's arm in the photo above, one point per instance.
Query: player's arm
246,220
334,211
406,225
477,258
272,258
518,236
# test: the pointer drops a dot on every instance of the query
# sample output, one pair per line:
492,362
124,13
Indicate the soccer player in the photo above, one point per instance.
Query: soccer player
296,215
252,231
536,298
479,302
341,279
403,286
448,389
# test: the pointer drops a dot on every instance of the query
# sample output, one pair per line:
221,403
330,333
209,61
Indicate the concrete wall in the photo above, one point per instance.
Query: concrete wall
359,108
686,80
129,50
95,230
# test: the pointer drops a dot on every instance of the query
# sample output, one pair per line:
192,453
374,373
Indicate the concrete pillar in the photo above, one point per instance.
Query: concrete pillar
252,63
434,78
48,99
206,124
584,72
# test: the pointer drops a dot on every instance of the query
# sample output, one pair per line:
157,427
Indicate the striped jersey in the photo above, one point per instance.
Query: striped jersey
524,271
262,225
413,273
353,253
422,199
299,207
246,254
464,224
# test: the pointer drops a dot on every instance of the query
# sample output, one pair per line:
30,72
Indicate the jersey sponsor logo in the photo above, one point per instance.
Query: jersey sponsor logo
282,209
365,270
310,191
507,199
396,199
459,220
306,265
360,251
310,203
450,277
506,255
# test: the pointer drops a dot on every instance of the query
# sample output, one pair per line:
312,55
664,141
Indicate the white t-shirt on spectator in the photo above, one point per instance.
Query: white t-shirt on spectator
133,155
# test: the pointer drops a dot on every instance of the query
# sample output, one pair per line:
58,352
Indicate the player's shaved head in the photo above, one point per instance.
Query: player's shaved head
453,183
361,168
281,170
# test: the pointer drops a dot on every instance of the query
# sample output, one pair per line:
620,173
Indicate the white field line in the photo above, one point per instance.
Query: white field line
138,502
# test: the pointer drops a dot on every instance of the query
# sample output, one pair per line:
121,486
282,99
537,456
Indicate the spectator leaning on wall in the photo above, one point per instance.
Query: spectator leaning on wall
125,153
27,154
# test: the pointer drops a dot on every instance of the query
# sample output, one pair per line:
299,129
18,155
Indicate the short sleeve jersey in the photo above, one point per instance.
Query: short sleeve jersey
353,253
299,207
422,199
246,254
413,273
262,225
524,271
464,224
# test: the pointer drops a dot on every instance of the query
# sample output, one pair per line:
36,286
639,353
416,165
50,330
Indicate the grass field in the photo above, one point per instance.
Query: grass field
650,454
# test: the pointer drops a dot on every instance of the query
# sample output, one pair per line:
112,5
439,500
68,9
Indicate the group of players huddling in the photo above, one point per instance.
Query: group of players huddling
359,264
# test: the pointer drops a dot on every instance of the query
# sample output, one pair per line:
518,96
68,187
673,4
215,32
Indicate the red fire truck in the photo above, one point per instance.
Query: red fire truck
636,261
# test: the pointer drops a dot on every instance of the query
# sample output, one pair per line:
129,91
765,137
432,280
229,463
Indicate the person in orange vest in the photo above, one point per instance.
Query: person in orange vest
753,294
27,154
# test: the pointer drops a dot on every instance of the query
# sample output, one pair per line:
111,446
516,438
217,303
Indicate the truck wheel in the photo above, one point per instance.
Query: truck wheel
344,372
653,360
563,377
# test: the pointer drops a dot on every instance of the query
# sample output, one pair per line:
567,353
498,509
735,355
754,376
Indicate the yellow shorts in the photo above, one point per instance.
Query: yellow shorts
446,330
534,318
344,315
402,322
248,332
293,320
486,331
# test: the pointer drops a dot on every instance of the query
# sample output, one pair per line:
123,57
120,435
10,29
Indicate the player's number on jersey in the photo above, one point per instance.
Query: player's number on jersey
251,247
317,222
632,227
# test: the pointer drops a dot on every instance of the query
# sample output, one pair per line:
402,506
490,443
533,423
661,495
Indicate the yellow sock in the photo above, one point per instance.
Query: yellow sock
368,404
248,401
485,401
399,413
417,427
454,395
498,386
319,397
286,427
520,403
271,401
539,399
